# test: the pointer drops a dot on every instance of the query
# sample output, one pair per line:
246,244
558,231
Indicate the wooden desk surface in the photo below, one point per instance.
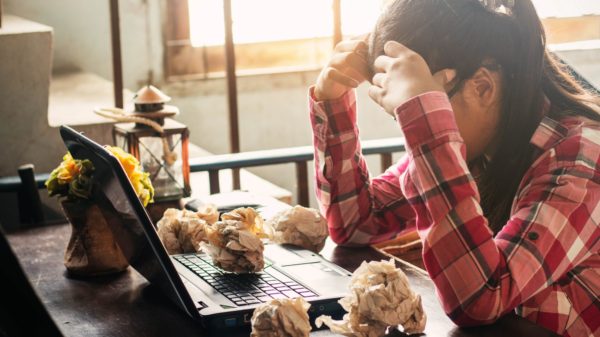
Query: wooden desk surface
125,305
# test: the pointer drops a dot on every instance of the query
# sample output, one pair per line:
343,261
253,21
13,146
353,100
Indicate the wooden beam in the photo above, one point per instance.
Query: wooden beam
234,133
115,34
337,22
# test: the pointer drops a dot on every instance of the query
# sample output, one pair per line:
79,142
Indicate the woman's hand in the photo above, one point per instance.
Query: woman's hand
346,70
403,74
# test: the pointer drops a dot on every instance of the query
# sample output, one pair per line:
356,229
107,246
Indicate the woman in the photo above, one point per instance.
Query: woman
502,173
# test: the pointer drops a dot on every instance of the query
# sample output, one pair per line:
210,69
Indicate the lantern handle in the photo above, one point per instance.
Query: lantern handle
119,115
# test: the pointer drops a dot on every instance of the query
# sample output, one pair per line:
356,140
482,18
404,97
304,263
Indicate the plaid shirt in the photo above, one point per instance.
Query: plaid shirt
544,263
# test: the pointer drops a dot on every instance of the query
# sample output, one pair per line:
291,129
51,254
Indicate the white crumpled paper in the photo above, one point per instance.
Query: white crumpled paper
380,298
281,318
181,231
234,243
299,226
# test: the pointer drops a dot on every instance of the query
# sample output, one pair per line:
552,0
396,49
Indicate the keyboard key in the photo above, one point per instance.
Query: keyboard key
278,296
290,293
266,287
263,298
299,289
272,292
252,302
308,294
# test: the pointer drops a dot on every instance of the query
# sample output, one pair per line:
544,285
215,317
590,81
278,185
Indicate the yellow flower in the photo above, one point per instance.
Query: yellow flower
72,178
139,179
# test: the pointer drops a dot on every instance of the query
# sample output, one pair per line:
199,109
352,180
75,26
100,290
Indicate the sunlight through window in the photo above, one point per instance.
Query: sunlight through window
278,20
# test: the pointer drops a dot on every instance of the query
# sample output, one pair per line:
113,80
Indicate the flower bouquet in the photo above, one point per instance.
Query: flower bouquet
92,249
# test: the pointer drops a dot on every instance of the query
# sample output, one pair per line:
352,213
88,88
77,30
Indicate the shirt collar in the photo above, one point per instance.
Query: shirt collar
549,132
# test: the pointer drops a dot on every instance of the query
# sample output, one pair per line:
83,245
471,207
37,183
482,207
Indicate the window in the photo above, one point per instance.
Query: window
287,35
568,21
269,35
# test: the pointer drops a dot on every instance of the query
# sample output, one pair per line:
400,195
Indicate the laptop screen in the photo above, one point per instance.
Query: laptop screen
127,218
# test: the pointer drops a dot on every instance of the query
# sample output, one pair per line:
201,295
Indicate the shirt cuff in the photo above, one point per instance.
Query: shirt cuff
425,118
333,117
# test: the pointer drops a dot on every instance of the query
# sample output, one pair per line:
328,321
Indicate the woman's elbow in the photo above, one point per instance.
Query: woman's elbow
342,239
478,313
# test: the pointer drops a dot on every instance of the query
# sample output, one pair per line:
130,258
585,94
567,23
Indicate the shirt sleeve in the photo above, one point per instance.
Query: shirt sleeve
479,278
359,210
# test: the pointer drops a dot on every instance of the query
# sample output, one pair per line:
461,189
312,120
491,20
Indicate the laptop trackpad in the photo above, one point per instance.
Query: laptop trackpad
288,255
320,276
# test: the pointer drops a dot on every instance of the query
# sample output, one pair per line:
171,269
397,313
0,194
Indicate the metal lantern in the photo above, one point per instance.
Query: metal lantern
163,155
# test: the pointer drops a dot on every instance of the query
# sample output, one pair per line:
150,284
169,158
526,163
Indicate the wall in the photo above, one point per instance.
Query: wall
82,35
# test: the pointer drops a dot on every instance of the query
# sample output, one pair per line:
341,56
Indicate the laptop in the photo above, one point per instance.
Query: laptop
217,299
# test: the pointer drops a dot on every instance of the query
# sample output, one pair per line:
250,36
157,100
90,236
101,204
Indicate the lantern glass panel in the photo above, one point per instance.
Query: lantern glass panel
121,141
166,177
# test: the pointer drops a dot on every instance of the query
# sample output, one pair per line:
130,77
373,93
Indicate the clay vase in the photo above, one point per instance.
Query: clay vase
92,249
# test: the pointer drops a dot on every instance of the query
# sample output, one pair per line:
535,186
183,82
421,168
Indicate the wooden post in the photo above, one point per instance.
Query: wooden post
386,161
337,22
30,204
115,34
302,183
234,133
213,180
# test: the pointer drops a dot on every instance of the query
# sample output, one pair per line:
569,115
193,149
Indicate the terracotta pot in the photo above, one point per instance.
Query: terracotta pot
92,249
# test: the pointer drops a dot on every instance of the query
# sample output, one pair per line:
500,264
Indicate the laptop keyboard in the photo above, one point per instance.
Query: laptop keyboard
244,289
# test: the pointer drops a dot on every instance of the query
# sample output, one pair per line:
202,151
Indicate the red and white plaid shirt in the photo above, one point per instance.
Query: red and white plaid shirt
544,263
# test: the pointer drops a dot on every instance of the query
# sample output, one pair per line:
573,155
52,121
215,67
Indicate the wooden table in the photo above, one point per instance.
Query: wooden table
125,305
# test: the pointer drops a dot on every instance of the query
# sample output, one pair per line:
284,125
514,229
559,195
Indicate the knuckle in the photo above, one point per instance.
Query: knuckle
338,46
396,64
412,56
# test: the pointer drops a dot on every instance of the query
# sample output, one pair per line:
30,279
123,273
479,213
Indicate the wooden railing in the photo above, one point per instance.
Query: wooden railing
300,156
27,182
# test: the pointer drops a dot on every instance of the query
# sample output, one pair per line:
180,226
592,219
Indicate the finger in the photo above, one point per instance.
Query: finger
444,76
379,79
394,49
345,61
376,94
351,45
337,76
383,63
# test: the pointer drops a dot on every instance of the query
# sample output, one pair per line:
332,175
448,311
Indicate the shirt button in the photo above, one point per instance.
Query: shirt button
533,236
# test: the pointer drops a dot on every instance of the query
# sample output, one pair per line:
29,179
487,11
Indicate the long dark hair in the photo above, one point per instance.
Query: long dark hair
464,35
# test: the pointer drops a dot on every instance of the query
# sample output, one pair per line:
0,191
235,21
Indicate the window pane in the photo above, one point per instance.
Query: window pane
260,20
359,16
566,8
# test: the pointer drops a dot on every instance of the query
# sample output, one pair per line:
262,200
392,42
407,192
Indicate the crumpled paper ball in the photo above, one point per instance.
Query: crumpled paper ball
380,298
181,231
234,243
281,318
299,226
